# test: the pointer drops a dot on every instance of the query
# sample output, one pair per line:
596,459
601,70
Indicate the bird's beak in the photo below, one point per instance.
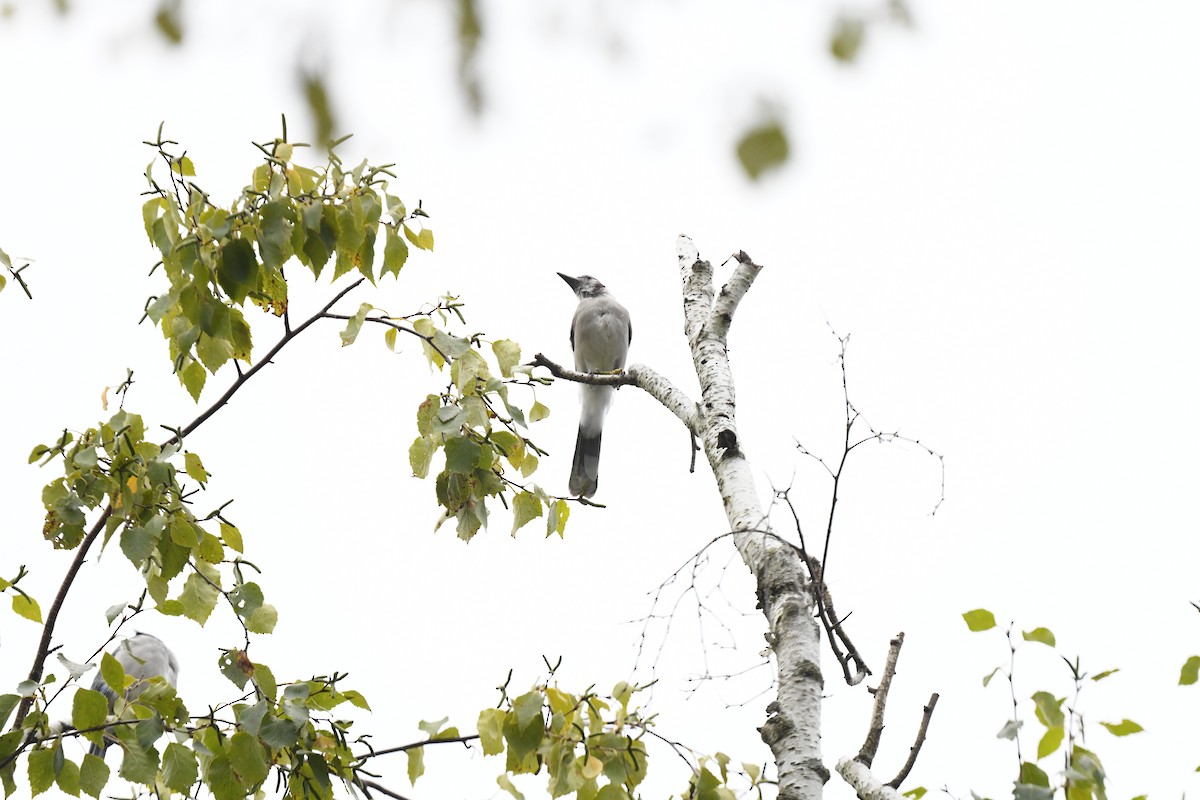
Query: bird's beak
572,282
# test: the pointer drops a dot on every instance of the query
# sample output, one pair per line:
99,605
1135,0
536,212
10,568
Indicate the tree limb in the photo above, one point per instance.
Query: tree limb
871,745
39,659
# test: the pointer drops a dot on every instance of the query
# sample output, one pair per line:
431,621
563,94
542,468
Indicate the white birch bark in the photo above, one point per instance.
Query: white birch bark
793,726
864,782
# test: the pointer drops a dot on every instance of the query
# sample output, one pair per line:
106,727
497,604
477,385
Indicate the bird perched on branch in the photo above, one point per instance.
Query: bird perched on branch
143,657
600,336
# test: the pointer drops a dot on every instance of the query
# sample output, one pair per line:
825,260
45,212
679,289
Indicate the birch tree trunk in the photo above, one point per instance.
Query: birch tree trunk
793,726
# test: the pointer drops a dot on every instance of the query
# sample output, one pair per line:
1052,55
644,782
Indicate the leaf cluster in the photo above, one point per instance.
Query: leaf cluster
1082,775
216,257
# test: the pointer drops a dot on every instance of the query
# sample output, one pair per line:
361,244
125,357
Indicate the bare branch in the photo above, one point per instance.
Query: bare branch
639,375
915,750
871,745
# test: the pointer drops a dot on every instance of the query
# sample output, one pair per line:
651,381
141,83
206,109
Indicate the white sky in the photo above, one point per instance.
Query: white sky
1000,206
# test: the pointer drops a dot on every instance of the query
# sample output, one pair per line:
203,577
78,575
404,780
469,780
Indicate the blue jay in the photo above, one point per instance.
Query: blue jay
600,336
143,657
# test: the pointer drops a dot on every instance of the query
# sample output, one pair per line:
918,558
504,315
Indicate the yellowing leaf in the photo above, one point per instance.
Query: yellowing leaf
27,607
979,620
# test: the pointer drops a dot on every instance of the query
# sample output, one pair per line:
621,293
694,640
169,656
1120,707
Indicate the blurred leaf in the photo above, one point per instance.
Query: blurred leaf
1102,675
1190,672
1009,731
1048,709
416,764
490,726
847,38
319,107
763,148
979,620
1042,635
169,23
1050,741
1123,728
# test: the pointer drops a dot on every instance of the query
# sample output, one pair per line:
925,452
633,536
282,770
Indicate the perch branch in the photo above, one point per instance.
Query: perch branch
867,754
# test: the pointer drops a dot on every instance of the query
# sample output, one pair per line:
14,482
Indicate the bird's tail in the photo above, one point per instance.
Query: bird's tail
585,469
97,750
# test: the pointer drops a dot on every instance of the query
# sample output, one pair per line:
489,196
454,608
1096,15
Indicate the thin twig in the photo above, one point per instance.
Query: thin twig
404,748
915,750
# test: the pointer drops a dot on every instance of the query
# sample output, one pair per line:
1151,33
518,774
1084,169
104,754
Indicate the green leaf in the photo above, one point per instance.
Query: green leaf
193,377
389,338
420,455
237,270
93,775
462,454
279,733
524,726
556,517
1050,741
847,38
194,468
526,507
1190,672
395,252
1033,775
917,793
1123,728
357,700
7,703
41,770
763,148
354,324
507,785
979,620
68,778
416,764
140,764
231,536
179,768
1009,731
247,759
183,532
199,597
988,678
490,728
89,709
112,672
182,165
1048,709
265,679
263,619
1102,675
210,548
25,606
538,411
1042,635
508,355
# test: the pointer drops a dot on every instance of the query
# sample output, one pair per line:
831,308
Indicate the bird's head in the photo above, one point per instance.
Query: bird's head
584,286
